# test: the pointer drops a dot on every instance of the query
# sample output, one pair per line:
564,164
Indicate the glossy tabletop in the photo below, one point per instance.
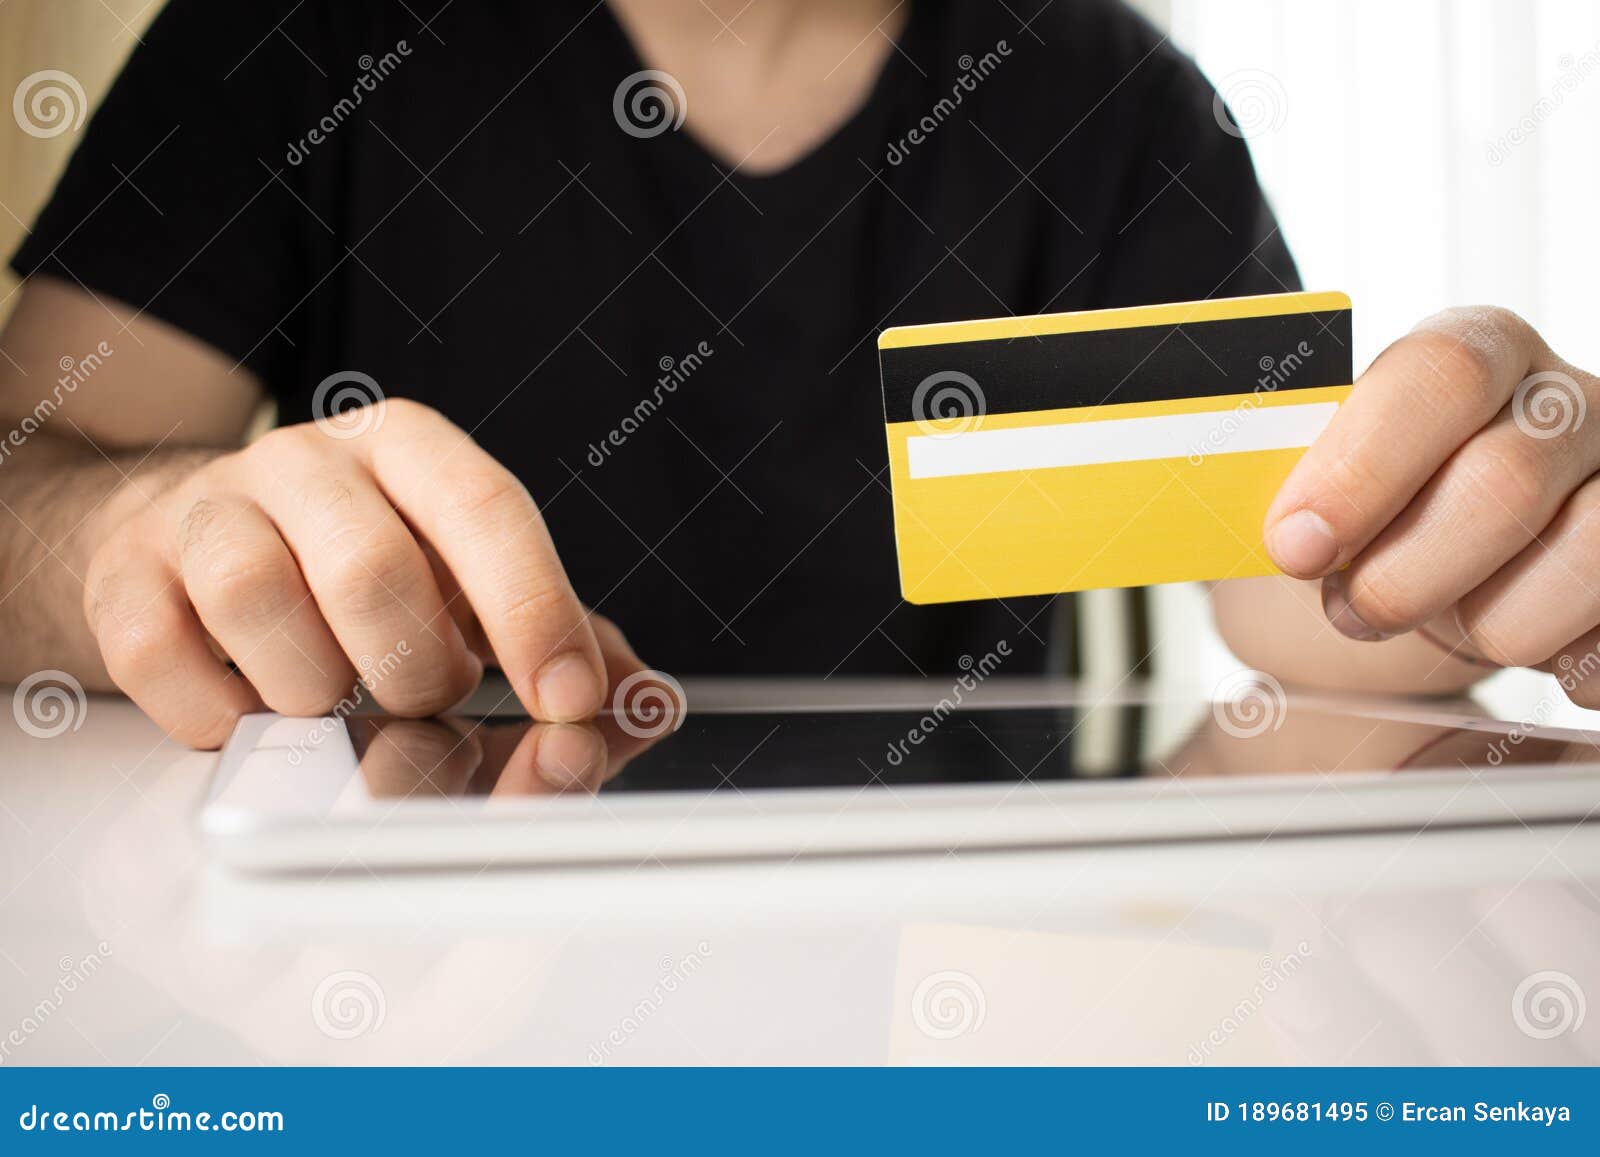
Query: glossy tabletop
120,942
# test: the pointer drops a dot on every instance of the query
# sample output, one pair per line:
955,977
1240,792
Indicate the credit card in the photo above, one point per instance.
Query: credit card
1105,448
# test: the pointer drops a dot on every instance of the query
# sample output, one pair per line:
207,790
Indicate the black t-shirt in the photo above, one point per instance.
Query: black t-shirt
678,360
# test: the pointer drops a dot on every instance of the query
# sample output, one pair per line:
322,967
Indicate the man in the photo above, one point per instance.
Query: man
617,269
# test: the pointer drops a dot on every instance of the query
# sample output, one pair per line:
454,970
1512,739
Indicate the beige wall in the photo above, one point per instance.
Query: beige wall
87,39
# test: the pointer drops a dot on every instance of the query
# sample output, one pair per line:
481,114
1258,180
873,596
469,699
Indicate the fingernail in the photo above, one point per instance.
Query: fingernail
1303,545
1343,617
568,689
567,755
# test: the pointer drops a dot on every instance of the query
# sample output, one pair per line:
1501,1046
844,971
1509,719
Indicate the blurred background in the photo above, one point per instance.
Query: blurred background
1423,154
86,39
1419,153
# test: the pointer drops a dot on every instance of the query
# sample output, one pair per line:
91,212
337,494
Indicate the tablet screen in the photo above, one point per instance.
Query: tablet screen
756,752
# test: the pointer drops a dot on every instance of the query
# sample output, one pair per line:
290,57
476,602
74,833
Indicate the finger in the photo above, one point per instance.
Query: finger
1267,620
624,744
1576,667
369,578
484,524
1546,596
500,739
416,757
250,595
457,603
1421,399
554,758
1485,505
617,653
156,650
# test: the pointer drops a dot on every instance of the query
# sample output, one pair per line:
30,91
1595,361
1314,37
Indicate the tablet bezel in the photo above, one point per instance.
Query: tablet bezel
641,827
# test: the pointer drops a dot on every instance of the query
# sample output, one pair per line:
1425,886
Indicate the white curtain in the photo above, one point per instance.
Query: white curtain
1423,153
1419,153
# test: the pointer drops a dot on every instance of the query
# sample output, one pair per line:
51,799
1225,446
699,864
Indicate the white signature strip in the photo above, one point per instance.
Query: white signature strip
1230,431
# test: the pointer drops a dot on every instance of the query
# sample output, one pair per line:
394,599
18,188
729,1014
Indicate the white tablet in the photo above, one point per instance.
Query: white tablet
370,792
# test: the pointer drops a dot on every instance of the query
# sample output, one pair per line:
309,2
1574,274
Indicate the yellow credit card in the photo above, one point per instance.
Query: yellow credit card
1108,448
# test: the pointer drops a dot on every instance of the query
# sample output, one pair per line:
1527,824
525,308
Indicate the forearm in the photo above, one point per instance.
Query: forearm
1277,625
59,499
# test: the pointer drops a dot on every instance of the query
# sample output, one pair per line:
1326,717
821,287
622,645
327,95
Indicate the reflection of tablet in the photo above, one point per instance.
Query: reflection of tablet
382,792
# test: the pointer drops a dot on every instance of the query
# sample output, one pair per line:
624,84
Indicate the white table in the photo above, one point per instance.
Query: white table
120,943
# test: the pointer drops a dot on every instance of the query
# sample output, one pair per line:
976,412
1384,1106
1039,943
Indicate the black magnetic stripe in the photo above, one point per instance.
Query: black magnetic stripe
1140,364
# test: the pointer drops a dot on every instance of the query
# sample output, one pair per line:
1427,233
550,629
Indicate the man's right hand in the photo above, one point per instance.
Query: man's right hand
382,543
